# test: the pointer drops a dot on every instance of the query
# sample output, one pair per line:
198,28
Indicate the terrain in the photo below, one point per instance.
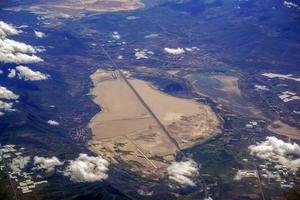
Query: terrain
143,126
167,99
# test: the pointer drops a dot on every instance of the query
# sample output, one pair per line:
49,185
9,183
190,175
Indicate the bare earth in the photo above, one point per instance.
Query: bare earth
188,121
75,8
125,130
97,5
280,128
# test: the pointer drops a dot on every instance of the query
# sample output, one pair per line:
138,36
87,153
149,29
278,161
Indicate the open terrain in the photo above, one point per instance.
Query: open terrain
189,122
241,58
96,5
223,89
124,129
280,128
142,126
76,8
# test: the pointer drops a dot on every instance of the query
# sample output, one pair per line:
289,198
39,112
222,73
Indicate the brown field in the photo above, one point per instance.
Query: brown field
75,8
126,130
98,5
280,128
186,120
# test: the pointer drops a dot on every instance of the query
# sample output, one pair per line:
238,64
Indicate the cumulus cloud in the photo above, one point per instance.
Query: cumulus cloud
116,36
7,94
12,51
87,169
7,29
152,35
48,164
19,163
12,73
39,34
176,51
183,172
6,106
278,151
8,45
53,123
17,52
29,75
143,53
19,58
290,4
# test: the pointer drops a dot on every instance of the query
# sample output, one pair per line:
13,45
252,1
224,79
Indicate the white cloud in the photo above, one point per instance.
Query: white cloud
8,45
39,34
152,35
12,51
87,169
281,76
7,94
143,53
290,4
29,75
6,106
53,123
23,26
19,163
140,54
12,73
131,17
116,36
176,51
277,151
19,58
191,49
7,29
17,52
261,87
48,164
183,172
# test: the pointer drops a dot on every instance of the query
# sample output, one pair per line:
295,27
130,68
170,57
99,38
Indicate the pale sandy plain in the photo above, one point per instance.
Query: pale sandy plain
125,130
97,5
75,8
187,121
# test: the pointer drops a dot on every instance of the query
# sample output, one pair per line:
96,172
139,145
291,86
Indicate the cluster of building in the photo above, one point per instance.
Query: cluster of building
241,174
15,164
27,185
287,178
80,135
269,174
